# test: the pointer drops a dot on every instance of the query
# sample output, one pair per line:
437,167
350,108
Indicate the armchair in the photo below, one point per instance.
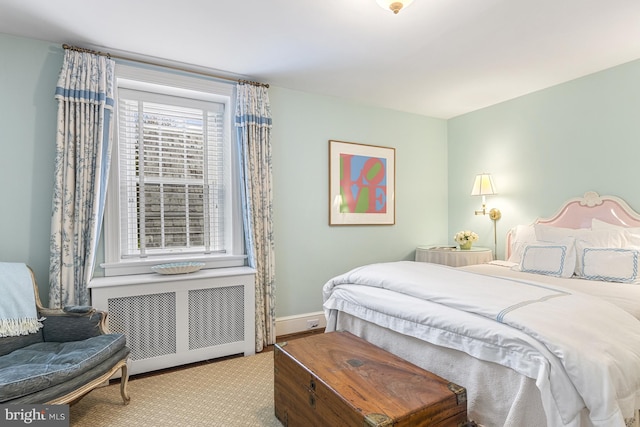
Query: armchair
69,353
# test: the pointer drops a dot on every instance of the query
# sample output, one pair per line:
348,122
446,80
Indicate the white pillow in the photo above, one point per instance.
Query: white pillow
551,259
607,264
521,235
632,233
597,224
605,238
549,233
633,240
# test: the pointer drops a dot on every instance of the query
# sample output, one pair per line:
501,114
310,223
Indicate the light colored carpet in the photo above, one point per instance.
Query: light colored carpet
233,392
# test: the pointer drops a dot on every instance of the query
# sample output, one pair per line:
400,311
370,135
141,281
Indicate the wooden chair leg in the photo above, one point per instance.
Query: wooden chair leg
124,382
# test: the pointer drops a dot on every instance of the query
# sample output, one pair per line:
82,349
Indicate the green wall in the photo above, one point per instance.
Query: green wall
547,147
308,251
28,75
541,148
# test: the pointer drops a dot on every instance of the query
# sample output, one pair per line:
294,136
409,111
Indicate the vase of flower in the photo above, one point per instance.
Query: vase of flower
465,239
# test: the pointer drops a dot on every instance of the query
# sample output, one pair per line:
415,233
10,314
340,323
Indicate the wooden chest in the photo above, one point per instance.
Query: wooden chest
338,379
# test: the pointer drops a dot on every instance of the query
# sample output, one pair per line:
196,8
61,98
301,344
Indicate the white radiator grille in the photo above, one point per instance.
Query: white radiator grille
175,320
216,316
148,321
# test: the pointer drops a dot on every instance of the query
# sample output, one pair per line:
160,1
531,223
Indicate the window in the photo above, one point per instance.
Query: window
173,192
171,174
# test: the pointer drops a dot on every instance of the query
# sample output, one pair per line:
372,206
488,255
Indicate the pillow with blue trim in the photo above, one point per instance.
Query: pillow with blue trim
550,259
607,264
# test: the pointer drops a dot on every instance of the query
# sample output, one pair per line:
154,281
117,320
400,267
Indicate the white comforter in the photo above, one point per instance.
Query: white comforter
582,351
624,295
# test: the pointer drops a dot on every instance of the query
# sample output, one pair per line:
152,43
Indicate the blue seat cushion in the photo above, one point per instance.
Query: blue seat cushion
9,344
46,364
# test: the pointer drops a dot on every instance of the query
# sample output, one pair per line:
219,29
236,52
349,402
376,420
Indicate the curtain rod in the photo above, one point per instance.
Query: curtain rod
109,55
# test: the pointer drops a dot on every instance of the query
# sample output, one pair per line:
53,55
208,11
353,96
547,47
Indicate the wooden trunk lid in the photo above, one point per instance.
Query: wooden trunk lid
343,377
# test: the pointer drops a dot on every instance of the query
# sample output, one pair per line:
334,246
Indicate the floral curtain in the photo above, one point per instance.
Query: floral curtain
83,141
253,126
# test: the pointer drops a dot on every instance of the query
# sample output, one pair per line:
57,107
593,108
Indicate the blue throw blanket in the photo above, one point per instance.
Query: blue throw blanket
18,314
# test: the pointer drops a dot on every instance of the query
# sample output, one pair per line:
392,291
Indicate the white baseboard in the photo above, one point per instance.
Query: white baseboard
299,323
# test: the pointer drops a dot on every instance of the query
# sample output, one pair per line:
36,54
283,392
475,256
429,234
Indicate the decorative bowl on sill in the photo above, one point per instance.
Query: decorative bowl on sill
177,267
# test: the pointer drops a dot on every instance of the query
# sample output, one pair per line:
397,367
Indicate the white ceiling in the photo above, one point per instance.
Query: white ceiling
439,58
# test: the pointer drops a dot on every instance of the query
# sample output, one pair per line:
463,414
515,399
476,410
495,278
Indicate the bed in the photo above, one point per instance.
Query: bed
533,343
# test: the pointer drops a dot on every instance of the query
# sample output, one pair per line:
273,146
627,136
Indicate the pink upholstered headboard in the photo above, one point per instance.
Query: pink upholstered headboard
578,213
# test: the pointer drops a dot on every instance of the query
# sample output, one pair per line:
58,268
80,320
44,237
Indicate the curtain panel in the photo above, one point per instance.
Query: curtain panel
253,126
84,93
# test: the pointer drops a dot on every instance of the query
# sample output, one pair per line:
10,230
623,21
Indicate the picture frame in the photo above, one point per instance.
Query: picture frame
361,184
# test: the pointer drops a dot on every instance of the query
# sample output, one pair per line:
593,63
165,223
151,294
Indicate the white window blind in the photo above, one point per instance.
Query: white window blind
172,160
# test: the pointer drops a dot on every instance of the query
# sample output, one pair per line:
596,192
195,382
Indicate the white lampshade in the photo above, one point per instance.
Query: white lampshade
394,5
483,185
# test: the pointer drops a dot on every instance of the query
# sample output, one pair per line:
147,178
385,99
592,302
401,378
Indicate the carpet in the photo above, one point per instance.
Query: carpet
232,392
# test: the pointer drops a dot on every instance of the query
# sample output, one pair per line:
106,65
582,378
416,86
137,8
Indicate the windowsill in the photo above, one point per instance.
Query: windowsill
143,266
162,281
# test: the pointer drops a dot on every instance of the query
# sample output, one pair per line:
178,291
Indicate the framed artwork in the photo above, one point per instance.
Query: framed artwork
361,184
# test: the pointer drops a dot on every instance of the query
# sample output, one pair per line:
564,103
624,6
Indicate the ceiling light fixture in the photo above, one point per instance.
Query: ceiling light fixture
394,5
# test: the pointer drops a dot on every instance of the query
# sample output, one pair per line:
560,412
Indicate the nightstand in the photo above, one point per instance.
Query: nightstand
453,257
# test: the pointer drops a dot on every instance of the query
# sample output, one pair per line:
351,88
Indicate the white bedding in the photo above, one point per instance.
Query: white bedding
500,321
624,295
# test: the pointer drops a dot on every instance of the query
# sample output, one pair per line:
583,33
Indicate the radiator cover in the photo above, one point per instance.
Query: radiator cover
177,319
